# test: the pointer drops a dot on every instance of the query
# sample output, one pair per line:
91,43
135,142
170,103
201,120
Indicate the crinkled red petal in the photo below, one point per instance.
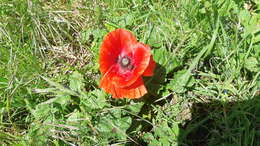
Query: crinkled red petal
119,81
114,43
140,58
150,69
136,90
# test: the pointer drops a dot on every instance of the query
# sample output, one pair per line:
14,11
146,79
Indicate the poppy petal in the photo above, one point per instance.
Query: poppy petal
136,90
123,62
105,81
113,44
127,39
118,76
150,69
141,58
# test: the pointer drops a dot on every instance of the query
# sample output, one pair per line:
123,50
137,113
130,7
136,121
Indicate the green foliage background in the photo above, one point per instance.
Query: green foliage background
205,90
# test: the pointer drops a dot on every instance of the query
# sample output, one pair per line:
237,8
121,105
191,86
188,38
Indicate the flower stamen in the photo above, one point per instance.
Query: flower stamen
125,61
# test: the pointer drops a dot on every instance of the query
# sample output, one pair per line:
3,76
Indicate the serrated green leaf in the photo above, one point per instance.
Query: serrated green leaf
63,100
154,142
164,141
113,124
76,81
166,59
95,99
176,130
135,108
252,64
41,110
148,137
179,83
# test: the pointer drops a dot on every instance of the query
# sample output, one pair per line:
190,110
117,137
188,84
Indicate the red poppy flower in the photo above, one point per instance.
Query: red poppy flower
123,61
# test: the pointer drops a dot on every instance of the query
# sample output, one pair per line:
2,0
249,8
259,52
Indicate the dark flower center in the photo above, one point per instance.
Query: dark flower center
125,62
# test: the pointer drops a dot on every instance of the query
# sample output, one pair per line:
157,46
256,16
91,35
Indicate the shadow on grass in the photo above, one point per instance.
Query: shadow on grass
222,123
153,85
212,123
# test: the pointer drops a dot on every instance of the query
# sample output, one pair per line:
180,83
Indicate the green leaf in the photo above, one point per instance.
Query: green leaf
250,23
135,107
125,20
76,81
42,112
180,82
114,124
154,142
95,99
100,97
166,59
63,100
164,141
176,130
252,64
148,137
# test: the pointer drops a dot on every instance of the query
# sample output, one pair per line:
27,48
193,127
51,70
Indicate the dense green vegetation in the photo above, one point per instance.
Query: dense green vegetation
205,90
